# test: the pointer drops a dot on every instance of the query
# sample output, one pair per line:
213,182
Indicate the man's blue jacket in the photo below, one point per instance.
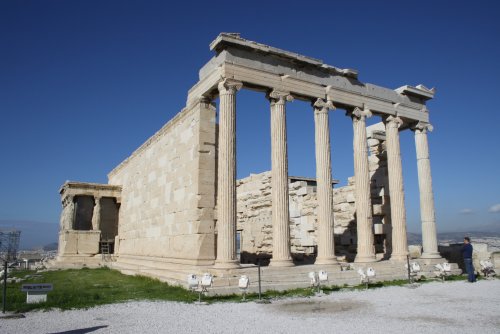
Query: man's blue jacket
467,251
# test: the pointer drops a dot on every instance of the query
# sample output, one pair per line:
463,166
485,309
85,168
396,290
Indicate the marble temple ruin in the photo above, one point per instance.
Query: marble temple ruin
174,206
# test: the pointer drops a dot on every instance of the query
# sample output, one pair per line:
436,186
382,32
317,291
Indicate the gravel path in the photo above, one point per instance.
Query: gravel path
431,308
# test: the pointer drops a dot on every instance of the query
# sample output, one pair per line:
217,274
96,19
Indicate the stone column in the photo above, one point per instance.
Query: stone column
364,218
226,182
427,215
68,213
96,214
326,245
279,180
396,192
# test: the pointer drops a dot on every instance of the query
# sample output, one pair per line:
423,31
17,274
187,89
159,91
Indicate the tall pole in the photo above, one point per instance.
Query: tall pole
4,299
408,266
260,288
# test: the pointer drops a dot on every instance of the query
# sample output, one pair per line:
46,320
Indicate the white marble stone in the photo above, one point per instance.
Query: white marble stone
364,220
396,190
326,245
279,161
427,214
226,190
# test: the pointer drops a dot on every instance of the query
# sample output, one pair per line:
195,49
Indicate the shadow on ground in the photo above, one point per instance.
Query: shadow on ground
319,307
81,330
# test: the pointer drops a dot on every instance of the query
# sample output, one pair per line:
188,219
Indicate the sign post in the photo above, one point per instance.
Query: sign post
4,296
36,293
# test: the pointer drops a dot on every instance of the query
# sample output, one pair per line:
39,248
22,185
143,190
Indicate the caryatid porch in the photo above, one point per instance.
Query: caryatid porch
283,76
89,217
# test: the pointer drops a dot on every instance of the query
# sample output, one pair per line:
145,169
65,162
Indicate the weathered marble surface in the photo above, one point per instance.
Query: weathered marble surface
168,191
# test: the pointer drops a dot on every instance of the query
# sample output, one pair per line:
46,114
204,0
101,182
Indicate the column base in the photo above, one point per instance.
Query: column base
281,263
365,259
431,256
326,260
398,257
232,264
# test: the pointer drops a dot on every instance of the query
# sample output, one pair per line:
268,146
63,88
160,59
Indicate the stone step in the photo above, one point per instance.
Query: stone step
272,278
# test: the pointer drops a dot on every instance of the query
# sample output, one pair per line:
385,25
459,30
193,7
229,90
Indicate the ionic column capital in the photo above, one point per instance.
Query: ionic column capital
229,86
394,121
358,113
422,127
322,106
279,97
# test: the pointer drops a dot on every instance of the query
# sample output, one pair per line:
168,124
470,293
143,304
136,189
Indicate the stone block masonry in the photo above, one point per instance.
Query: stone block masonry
168,191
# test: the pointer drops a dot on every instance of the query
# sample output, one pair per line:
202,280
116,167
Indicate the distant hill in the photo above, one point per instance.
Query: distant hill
50,247
416,238
459,236
34,235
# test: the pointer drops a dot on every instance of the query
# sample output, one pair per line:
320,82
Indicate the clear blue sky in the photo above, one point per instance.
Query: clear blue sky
84,83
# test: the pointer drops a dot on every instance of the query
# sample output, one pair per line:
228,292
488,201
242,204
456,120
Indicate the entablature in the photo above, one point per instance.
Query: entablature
90,189
263,68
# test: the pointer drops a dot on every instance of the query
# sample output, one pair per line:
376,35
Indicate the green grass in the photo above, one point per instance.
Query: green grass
76,289
90,287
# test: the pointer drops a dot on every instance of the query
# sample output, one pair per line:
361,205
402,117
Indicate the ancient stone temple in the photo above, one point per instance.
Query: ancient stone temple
175,207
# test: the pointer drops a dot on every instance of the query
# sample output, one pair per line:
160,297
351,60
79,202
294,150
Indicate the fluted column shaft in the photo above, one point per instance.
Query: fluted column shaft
396,189
226,181
326,245
96,214
279,180
427,213
364,218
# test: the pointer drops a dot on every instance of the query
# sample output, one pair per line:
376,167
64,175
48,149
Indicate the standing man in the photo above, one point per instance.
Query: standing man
467,254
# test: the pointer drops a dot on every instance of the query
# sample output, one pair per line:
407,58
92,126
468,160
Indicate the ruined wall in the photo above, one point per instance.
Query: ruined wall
254,211
379,181
168,192
254,216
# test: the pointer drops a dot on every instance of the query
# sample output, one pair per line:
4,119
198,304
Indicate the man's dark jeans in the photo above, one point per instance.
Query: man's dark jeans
469,267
